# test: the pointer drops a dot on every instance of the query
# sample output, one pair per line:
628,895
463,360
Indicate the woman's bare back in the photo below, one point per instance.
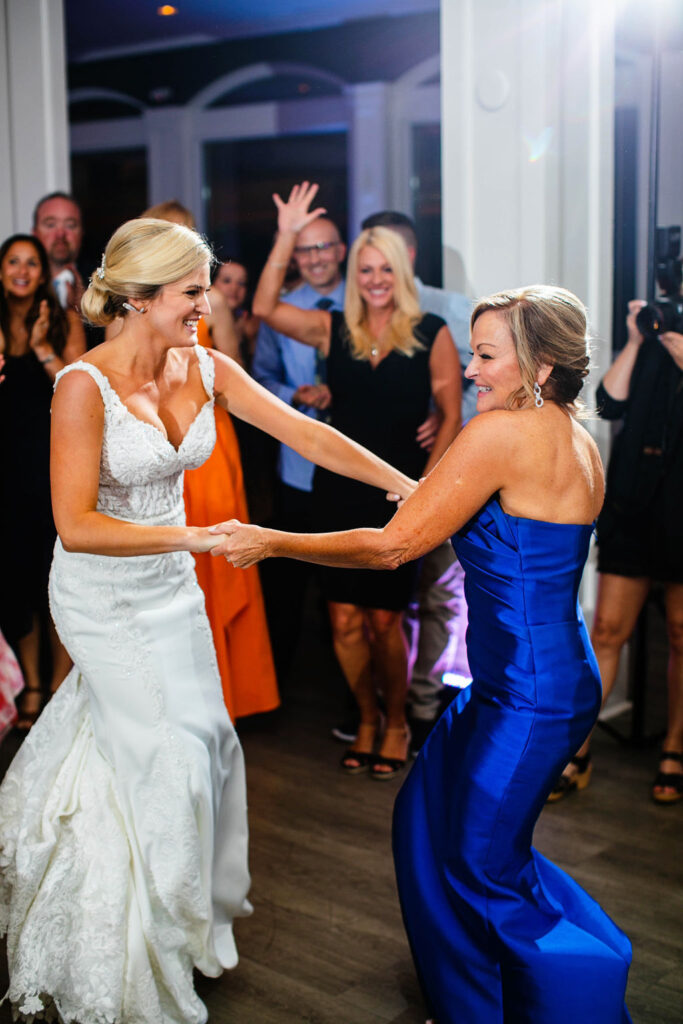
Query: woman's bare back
555,472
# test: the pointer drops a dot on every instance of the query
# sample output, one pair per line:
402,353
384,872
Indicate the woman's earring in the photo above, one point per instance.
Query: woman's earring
133,309
538,397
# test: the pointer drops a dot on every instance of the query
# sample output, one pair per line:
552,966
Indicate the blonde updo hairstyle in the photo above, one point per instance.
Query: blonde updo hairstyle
548,326
141,257
399,332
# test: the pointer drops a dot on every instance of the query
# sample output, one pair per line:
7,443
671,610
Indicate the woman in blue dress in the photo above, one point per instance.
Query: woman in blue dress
499,935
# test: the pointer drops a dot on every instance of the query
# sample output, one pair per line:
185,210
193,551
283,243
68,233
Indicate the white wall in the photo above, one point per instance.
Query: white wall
527,128
528,157
33,115
528,140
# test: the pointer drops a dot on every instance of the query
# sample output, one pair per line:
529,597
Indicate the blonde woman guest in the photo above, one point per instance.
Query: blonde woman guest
498,933
123,828
385,361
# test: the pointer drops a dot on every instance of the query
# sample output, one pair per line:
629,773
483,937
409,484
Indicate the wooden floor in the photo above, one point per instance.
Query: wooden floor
325,944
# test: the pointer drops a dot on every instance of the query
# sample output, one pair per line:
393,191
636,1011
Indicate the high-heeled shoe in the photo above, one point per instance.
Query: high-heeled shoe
389,767
668,780
579,779
356,761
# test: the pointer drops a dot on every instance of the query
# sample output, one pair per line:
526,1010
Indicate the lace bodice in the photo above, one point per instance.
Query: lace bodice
141,473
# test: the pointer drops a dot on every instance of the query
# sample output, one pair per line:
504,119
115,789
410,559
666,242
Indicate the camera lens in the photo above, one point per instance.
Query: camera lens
648,321
657,318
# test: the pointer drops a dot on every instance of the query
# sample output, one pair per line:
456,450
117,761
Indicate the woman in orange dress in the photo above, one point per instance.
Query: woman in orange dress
234,603
214,492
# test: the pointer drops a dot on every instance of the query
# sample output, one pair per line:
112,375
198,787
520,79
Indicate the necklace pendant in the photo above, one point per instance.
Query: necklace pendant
374,351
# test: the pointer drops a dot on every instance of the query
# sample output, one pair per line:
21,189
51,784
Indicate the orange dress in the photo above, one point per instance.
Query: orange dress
234,603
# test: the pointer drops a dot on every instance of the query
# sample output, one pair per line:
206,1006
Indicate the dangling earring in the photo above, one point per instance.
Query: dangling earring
133,309
538,397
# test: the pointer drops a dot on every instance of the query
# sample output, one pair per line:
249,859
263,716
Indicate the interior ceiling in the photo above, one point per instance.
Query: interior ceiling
105,28
112,27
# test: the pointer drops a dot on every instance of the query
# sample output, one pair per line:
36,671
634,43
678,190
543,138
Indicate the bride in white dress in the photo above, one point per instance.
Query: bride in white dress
123,828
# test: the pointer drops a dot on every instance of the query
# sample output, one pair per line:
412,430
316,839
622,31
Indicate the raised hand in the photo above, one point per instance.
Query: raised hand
294,215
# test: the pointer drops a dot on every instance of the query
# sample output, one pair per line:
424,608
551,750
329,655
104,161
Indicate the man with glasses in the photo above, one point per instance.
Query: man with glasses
295,374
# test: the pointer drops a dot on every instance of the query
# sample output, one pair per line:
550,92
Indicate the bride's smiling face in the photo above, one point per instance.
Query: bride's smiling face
176,311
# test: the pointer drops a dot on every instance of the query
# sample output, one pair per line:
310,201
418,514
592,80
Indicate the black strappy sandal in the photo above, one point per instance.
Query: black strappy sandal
668,780
566,784
384,767
356,761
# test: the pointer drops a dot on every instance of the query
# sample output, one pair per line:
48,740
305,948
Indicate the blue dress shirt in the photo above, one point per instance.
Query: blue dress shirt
282,365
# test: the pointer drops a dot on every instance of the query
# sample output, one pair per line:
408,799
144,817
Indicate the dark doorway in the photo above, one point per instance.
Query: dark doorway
426,185
240,178
111,188
625,213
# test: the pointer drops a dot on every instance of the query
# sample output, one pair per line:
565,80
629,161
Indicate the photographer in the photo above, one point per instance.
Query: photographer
640,529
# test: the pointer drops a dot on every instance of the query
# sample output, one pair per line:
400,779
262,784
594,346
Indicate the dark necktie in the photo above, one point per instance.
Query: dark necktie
320,367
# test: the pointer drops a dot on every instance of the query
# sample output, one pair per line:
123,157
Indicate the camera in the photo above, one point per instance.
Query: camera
665,313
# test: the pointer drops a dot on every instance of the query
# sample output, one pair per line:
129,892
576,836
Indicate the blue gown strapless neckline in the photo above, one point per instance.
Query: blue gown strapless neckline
499,934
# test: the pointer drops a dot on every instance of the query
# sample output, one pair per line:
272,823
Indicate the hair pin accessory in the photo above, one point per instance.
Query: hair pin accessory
102,269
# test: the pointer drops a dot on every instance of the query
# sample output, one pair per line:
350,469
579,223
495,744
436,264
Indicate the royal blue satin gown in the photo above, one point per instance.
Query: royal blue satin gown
500,935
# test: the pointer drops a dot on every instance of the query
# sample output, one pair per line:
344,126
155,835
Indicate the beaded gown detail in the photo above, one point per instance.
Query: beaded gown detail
123,816
500,935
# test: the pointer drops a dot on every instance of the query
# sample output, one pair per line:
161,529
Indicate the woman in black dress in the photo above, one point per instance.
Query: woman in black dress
37,339
385,362
640,537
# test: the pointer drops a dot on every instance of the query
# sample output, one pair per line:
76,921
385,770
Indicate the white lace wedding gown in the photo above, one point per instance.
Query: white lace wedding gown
123,816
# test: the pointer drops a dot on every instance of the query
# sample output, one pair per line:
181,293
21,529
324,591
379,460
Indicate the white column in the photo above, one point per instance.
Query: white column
368,151
527,111
527,155
528,144
33,109
166,154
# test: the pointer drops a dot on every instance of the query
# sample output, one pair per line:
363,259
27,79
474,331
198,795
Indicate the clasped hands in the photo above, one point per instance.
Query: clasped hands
242,544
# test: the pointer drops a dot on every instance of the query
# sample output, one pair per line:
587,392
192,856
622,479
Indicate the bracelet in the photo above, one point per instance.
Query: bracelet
278,265
47,359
